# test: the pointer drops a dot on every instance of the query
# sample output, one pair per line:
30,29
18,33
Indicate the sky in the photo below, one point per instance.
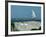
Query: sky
25,12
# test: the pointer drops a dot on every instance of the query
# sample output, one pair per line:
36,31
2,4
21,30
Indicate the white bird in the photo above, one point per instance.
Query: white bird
33,14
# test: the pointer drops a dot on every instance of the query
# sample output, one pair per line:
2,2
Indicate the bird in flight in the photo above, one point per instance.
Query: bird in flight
33,14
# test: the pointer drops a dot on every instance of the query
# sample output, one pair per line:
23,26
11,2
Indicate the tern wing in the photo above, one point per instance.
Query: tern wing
33,14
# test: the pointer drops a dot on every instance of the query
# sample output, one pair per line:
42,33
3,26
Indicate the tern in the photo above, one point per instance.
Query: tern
33,14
